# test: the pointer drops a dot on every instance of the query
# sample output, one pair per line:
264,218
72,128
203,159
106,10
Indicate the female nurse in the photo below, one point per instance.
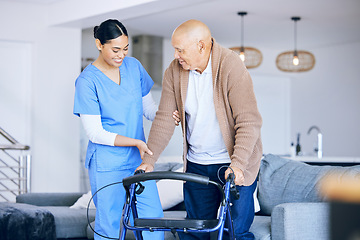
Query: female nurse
111,96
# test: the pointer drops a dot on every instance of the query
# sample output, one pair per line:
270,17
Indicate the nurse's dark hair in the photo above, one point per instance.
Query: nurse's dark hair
108,30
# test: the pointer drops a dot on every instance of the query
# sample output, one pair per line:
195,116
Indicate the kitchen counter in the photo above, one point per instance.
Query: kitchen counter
336,161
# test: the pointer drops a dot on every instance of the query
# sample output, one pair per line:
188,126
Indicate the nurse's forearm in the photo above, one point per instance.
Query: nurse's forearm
122,141
127,142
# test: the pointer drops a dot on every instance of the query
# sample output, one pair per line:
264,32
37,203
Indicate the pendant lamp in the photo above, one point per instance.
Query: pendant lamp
251,57
297,60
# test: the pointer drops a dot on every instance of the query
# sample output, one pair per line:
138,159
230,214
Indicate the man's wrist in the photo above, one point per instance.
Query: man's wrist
148,160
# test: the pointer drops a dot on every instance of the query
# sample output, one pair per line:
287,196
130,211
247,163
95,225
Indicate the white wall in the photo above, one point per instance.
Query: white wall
15,97
55,63
329,97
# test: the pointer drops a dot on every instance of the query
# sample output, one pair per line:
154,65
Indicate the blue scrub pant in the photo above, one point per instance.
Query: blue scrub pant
202,202
109,202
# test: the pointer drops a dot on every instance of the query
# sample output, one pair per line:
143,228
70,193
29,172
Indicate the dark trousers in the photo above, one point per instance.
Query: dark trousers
202,202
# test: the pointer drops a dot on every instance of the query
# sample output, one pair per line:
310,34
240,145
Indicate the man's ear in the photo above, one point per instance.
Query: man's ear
201,46
98,44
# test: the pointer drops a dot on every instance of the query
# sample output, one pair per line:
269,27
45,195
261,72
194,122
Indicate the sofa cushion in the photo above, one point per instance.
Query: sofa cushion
284,180
261,227
292,221
69,222
167,166
48,199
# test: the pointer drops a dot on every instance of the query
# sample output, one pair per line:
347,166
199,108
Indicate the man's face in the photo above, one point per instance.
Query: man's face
186,52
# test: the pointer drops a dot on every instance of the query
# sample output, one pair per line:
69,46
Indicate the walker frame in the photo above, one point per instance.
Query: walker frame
133,186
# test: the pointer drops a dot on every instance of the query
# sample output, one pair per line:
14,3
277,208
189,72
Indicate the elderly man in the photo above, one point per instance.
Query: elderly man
213,92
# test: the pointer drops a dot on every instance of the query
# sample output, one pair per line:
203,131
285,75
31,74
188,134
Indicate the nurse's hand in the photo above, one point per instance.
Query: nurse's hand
176,117
146,167
143,148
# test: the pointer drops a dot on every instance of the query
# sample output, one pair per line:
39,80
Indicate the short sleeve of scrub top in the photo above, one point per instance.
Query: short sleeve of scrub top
120,107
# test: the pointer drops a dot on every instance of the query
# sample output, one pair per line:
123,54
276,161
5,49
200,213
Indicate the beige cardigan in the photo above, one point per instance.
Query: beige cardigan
235,106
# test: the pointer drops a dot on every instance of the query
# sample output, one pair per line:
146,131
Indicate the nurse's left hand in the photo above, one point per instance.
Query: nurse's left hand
143,148
176,117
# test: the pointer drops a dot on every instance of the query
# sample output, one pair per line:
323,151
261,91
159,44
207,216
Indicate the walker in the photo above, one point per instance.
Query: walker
133,186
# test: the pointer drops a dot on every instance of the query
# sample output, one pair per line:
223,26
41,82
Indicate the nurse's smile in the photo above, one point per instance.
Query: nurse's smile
118,60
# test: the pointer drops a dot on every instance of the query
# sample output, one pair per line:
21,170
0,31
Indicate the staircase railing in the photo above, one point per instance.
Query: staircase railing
15,168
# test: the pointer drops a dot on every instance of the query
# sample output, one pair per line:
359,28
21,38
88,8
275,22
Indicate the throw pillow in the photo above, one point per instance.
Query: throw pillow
170,191
83,202
256,201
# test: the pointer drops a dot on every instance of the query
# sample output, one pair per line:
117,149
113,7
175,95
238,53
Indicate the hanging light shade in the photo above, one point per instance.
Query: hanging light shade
297,60
251,57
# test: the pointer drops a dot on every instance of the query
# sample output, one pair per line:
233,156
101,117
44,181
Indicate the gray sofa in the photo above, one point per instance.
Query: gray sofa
291,207
72,223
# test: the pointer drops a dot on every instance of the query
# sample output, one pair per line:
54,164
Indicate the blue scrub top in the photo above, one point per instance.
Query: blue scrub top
120,107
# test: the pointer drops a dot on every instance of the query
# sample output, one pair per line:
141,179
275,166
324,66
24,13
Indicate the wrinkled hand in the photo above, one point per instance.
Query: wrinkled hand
176,117
239,175
143,148
146,167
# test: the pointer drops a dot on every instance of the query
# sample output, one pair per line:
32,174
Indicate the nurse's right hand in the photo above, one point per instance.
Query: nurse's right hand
143,148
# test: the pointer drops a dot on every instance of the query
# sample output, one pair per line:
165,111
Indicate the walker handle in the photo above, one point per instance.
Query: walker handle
158,175
233,190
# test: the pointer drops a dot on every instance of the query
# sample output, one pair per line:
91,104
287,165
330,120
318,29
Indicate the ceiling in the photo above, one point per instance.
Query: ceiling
268,24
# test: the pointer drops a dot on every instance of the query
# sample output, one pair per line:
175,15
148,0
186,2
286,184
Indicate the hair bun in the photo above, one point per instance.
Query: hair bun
96,28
